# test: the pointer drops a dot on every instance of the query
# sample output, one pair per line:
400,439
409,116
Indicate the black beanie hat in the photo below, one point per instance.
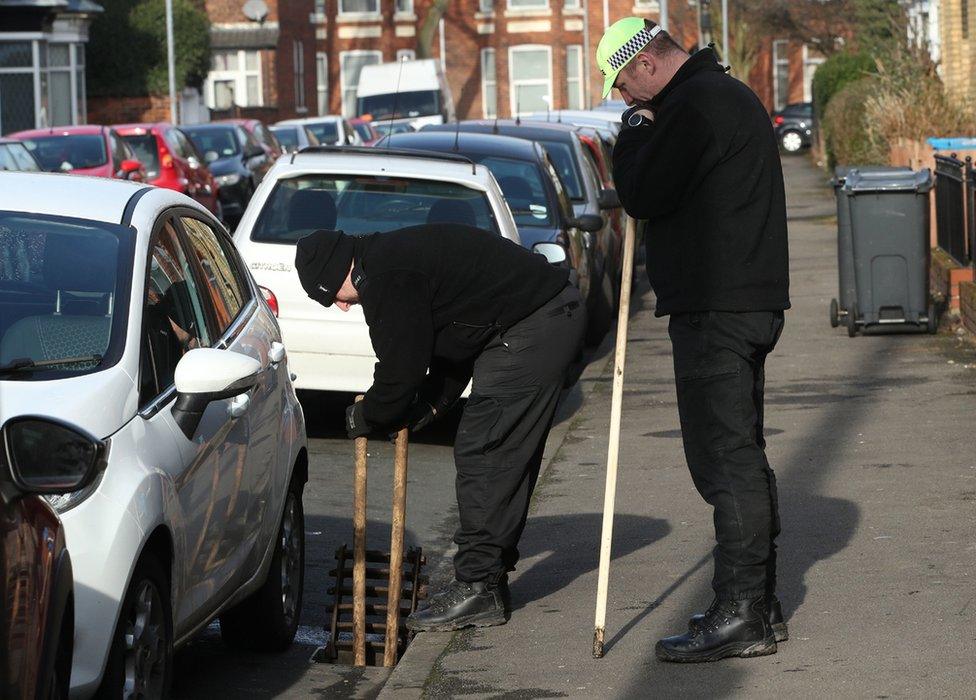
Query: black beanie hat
323,259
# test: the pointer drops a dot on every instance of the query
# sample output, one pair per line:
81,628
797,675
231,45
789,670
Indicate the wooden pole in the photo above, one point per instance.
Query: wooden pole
396,549
614,447
359,554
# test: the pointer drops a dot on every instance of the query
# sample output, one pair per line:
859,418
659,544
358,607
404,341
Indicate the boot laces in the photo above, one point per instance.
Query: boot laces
455,592
719,613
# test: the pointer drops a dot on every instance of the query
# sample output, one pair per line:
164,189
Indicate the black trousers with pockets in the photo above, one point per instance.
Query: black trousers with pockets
719,360
502,435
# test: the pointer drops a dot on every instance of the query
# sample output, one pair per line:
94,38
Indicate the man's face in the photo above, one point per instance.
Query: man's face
347,296
638,81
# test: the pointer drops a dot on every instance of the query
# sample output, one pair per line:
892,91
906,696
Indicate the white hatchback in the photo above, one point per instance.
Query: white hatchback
359,191
128,318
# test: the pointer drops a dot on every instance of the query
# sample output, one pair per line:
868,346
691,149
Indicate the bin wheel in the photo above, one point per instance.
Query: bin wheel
834,314
852,321
933,323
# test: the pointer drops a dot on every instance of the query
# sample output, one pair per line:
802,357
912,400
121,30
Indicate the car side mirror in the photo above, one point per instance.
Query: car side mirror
130,169
553,252
204,375
591,223
48,456
609,199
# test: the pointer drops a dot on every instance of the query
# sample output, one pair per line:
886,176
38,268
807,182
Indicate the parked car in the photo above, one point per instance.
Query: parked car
237,161
359,191
37,620
367,132
294,137
330,130
794,126
602,120
83,150
172,161
262,134
15,156
385,128
411,92
531,187
128,312
581,181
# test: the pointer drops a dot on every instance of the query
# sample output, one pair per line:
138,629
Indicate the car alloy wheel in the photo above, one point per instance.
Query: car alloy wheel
292,560
792,142
145,645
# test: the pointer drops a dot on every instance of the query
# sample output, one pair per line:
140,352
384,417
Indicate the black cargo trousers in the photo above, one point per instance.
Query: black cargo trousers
719,367
517,380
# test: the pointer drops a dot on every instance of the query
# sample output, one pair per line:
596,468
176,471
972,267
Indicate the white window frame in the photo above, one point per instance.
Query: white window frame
40,42
573,5
354,14
512,92
808,62
488,84
579,76
298,64
779,101
322,82
239,77
486,7
535,6
342,74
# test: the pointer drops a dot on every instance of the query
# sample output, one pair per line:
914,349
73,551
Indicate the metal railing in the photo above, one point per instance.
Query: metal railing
952,190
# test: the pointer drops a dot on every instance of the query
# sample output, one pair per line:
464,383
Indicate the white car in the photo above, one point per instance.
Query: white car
126,312
358,191
329,129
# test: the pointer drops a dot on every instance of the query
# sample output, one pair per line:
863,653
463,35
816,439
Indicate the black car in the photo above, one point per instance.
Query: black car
527,177
579,176
237,161
794,126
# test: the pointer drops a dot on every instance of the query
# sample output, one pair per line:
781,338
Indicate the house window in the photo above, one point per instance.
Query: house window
350,65
781,73
489,87
41,85
530,78
486,6
320,7
574,77
298,49
234,80
528,4
359,7
404,7
811,59
59,85
322,81
406,54
573,4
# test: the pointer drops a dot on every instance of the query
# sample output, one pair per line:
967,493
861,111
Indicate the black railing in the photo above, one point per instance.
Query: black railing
951,192
969,189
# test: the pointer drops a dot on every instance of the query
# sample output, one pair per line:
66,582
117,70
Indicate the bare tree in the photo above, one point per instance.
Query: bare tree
428,28
822,24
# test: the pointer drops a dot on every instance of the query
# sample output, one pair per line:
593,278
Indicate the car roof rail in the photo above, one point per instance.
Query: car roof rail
395,152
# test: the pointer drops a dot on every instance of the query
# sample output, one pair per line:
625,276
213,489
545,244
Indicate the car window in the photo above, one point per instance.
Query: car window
350,134
174,145
521,183
591,170
287,137
312,138
564,204
146,151
326,132
186,145
266,137
250,143
68,152
366,204
221,279
215,143
119,151
174,320
22,157
7,161
561,154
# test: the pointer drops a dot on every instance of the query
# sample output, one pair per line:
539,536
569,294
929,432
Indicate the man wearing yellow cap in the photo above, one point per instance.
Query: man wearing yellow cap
697,159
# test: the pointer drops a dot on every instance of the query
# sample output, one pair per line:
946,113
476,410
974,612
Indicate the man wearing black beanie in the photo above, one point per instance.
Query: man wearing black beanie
447,304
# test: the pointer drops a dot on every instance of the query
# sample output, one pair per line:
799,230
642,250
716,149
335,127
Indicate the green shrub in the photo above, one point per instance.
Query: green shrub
837,71
844,125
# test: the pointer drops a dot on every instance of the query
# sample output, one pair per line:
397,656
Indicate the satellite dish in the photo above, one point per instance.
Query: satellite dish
255,10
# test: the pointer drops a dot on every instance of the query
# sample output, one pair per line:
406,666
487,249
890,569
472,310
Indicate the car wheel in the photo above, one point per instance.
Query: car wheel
268,619
601,311
140,661
791,141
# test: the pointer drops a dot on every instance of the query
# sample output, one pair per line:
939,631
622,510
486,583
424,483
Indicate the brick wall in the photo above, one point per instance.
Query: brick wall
124,110
958,48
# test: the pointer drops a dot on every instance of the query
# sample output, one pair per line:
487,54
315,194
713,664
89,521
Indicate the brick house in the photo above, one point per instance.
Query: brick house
957,26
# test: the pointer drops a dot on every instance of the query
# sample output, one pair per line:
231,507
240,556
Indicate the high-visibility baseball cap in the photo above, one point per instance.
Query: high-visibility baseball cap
623,40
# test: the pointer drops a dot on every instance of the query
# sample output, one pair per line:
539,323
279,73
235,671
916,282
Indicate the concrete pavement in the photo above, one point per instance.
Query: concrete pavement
871,440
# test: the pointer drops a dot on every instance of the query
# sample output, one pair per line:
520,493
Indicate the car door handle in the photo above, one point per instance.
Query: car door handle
277,352
238,405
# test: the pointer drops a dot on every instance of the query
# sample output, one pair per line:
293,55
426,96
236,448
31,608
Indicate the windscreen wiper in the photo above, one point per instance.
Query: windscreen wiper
25,363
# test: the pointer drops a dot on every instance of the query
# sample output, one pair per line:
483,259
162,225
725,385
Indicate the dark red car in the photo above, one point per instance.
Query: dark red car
172,161
83,150
257,129
38,456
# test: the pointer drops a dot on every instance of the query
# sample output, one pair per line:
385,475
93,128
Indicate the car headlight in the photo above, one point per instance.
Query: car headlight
231,179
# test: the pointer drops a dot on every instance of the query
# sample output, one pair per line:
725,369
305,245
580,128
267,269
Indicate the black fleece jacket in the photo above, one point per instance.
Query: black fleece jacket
433,296
707,177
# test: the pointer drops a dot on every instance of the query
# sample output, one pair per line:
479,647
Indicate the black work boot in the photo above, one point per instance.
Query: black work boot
462,605
729,628
774,617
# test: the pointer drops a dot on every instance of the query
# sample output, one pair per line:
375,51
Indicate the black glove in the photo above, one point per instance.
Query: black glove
420,416
356,425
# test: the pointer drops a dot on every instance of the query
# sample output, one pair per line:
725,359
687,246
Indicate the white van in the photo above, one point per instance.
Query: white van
424,96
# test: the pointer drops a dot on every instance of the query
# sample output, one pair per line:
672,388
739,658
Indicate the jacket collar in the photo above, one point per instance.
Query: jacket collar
702,60
363,244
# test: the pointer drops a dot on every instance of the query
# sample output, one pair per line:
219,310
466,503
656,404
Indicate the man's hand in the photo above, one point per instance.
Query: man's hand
356,425
421,415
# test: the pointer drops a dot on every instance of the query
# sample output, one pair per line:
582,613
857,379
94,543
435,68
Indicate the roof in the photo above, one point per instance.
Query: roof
94,198
473,143
310,120
508,127
207,126
375,161
60,131
244,36
124,129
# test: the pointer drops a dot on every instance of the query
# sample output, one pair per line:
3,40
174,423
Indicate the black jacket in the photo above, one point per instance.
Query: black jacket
433,296
707,177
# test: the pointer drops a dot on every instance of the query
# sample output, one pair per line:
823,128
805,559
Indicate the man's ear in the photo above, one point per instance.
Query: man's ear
645,61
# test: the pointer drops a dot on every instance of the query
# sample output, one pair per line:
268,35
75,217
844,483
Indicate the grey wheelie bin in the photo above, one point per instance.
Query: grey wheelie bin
845,256
889,217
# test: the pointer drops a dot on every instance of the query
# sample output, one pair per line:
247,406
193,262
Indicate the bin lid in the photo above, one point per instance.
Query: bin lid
894,180
952,144
842,171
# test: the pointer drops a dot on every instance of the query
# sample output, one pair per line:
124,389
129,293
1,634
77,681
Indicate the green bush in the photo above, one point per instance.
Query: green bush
845,130
837,71
126,51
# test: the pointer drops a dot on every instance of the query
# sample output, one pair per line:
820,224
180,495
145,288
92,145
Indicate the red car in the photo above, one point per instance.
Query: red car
172,161
83,150
260,132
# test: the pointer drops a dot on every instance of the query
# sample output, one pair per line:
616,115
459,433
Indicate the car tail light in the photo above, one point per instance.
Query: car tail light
165,159
271,299
777,120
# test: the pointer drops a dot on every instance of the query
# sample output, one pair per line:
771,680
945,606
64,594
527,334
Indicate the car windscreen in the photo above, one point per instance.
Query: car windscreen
214,143
419,103
144,147
64,295
365,133
562,157
387,128
524,190
71,152
366,204
287,136
326,132
13,156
